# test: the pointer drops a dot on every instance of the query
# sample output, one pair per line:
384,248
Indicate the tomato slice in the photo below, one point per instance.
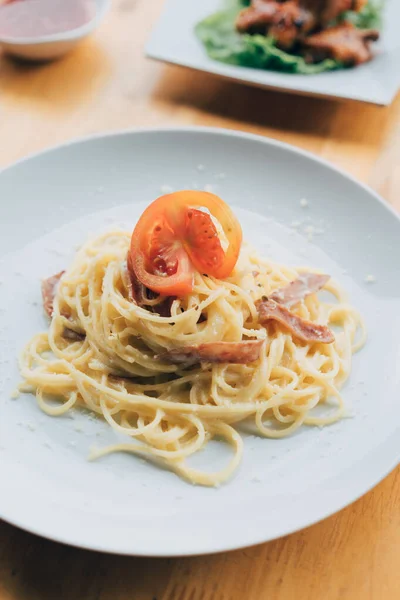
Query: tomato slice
175,236
160,262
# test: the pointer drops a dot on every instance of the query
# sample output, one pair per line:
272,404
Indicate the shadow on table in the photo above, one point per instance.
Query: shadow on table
56,85
38,569
220,98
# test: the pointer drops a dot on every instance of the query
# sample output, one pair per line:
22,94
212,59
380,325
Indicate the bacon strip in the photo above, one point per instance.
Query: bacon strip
72,335
297,290
49,290
306,331
240,353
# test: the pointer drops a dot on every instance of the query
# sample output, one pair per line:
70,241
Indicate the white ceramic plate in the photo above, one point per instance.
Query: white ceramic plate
173,40
51,202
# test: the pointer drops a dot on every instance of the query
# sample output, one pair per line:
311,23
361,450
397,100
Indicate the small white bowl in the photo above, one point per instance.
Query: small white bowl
53,46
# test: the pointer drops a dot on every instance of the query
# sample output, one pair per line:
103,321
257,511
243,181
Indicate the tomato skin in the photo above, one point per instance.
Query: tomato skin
173,238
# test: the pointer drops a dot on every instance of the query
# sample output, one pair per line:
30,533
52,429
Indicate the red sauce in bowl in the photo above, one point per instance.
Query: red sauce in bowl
38,18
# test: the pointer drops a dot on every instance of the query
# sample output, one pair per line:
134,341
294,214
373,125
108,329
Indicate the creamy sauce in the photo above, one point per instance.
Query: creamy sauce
38,18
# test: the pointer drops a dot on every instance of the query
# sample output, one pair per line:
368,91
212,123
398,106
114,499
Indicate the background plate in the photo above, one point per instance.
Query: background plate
51,202
173,40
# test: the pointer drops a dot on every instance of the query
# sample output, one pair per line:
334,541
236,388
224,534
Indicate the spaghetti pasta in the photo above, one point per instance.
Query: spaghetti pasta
116,363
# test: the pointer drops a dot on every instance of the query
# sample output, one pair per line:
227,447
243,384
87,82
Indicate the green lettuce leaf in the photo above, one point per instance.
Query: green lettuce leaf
223,43
370,17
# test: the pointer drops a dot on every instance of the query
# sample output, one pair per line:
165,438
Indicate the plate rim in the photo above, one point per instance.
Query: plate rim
224,131
391,460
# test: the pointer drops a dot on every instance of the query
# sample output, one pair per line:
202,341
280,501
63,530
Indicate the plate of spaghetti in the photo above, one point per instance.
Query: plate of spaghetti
198,350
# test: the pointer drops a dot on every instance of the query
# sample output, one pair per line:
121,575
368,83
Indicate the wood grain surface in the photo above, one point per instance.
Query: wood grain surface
107,84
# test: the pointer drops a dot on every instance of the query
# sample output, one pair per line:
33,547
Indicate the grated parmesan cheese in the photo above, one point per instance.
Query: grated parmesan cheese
256,480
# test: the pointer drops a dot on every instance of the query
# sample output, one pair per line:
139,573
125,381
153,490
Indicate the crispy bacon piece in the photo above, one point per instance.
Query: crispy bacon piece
285,21
300,288
72,335
240,353
140,294
49,290
276,308
344,43
306,331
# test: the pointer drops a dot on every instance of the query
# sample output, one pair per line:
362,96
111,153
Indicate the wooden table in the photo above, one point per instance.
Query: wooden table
107,84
